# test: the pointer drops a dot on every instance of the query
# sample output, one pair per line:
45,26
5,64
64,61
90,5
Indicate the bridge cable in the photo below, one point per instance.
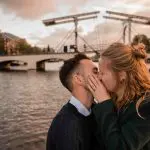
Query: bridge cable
62,41
88,45
97,30
65,40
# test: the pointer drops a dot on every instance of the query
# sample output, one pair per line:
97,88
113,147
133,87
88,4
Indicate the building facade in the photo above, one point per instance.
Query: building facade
9,43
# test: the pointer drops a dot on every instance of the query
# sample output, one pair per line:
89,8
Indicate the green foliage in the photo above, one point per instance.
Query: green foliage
141,38
1,43
26,49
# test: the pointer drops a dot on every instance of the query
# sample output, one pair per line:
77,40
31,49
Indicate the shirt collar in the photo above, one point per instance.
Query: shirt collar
80,107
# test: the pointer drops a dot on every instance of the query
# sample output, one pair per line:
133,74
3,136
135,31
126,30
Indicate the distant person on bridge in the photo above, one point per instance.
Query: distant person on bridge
73,126
122,92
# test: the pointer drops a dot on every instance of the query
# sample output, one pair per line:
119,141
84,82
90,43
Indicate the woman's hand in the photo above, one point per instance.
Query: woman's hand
97,89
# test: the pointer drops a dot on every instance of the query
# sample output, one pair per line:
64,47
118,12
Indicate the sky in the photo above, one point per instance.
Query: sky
23,18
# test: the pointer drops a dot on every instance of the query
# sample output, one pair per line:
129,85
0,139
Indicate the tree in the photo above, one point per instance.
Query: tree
23,47
141,38
26,49
48,49
2,45
36,50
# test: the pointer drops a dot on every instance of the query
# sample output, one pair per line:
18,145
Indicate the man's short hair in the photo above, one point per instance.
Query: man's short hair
65,73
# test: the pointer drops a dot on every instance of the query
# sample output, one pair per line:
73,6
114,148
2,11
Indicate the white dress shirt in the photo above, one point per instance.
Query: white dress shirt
80,107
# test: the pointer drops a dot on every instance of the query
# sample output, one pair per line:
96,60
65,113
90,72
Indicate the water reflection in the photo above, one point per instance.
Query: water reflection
28,102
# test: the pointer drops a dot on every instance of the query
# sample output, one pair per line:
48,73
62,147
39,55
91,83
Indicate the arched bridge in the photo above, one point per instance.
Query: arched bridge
33,60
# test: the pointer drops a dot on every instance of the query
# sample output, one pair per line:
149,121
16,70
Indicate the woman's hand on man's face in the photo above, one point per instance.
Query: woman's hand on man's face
97,89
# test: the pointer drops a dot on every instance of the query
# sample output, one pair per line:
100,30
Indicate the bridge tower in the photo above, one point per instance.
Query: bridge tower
127,18
72,18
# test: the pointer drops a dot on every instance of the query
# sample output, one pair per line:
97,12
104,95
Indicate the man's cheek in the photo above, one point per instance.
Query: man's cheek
86,82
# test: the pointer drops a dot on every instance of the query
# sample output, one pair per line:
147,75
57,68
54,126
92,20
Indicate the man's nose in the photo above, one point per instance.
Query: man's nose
99,76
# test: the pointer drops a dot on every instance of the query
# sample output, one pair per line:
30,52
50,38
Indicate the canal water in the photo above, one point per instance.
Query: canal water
28,103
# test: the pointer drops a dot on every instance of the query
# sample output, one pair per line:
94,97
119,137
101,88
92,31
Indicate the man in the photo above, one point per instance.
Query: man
72,127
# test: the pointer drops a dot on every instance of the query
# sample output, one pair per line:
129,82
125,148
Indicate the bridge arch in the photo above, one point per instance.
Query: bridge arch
41,66
33,59
7,65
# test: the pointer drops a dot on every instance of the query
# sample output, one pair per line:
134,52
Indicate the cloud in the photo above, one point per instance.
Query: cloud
33,36
144,12
74,2
74,9
102,33
33,9
109,31
105,33
58,37
143,2
28,9
55,38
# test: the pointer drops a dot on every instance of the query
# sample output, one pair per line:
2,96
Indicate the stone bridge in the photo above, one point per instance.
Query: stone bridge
33,60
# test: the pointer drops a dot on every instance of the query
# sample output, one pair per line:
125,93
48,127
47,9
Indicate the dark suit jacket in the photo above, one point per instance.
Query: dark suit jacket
70,130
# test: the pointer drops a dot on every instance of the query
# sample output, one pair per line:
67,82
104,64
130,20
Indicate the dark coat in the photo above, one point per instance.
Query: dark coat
123,130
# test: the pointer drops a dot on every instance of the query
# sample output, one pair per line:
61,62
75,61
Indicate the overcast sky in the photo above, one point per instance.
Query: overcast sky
24,19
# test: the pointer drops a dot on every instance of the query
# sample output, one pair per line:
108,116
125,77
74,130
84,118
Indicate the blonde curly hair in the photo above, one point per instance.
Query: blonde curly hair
130,59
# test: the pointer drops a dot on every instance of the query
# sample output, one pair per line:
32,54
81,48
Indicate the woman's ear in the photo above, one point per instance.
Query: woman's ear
122,76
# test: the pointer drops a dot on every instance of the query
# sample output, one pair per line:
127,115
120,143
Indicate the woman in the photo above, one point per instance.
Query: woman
123,102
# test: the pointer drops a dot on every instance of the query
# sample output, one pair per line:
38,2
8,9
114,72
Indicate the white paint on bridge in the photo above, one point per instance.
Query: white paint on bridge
32,60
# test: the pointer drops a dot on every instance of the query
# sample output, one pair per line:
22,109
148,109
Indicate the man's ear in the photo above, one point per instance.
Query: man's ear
77,78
